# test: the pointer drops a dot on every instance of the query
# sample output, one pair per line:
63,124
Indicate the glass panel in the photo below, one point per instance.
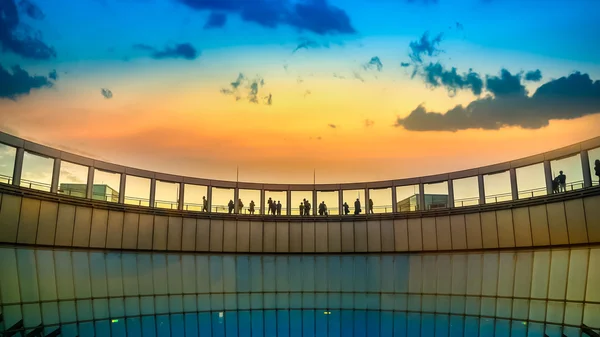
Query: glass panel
195,197
7,163
37,172
72,179
167,195
276,202
350,197
106,186
593,156
497,187
407,198
249,202
380,200
328,203
531,181
298,199
222,200
436,195
466,191
567,174
137,191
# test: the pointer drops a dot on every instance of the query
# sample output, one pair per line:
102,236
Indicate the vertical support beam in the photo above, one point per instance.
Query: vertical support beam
152,202
514,188
56,176
367,197
181,196
89,192
421,200
209,198
288,202
394,199
122,188
450,194
262,201
548,175
481,185
585,167
341,202
18,169
236,197
314,205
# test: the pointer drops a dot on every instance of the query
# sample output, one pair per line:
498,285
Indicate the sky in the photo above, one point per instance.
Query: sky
355,90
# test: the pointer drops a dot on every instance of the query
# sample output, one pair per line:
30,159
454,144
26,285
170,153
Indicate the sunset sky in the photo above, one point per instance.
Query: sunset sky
357,90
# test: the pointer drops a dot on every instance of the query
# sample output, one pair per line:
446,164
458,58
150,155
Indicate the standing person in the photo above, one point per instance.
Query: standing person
370,205
252,206
357,207
321,208
231,206
240,206
270,208
204,204
306,208
597,169
278,207
302,208
562,182
346,208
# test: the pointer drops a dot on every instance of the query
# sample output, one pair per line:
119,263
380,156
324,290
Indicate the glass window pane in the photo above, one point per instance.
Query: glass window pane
72,179
7,163
221,197
594,158
106,186
350,197
407,198
137,191
167,195
194,197
327,203
531,181
37,172
249,202
276,202
436,195
380,200
571,177
298,198
466,191
497,187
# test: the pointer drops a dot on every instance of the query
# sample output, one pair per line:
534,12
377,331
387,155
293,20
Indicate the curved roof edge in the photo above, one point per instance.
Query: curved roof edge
40,149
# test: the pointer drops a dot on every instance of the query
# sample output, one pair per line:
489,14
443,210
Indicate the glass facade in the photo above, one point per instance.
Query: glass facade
506,293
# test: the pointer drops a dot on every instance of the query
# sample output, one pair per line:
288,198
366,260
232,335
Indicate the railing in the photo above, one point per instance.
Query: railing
466,202
535,192
106,197
36,185
495,198
136,201
5,179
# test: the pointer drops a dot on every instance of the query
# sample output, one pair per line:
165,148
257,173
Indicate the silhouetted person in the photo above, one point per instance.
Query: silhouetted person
346,208
562,182
555,185
306,208
370,205
204,204
270,208
278,207
240,206
302,208
252,206
357,207
325,212
273,207
597,169
231,206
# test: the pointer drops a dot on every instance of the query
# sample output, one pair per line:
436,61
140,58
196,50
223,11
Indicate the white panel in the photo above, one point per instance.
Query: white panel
45,269
523,274
539,225
188,235
256,236
9,279
347,229
593,291
459,274
114,233
474,274
269,236
159,236
9,218
202,235
130,230
47,223
459,232
243,236
145,231
387,236
83,225
490,274
401,235
541,270
576,221
28,221
578,268
360,236
522,227
557,224
489,232
374,236
308,236
506,236
174,232
506,275
444,236
592,217
559,265
216,235
284,237
320,237
473,223
415,239
334,237
64,225
295,236
229,236
99,226
429,234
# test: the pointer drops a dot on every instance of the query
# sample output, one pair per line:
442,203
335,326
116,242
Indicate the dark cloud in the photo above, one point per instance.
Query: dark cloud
316,16
20,83
333,126
31,10
250,89
306,43
533,75
53,75
424,47
369,123
374,63
215,20
182,50
19,38
435,75
568,97
459,26
336,75
405,64
106,93
306,93
357,76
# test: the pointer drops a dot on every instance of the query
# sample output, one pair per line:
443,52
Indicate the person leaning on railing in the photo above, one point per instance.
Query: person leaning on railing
597,169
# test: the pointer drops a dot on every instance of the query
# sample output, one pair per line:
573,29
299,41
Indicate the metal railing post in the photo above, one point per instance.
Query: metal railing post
18,169
89,192
481,185
548,176
514,189
55,176
585,166
181,196
152,200
122,184
450,194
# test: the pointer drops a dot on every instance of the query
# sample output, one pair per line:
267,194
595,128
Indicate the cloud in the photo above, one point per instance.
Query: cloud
533,75
357,76
31,9
565,98
336,75
426,2
316,16
333,126
374,63
306,93
250,89
181,50
18,37
424,47
306,43
405,64
106,93
369,123
435,75
20,83
53,75
215,20
459,26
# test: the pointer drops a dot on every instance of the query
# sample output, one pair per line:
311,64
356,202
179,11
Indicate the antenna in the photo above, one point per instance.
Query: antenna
237,174
314,176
